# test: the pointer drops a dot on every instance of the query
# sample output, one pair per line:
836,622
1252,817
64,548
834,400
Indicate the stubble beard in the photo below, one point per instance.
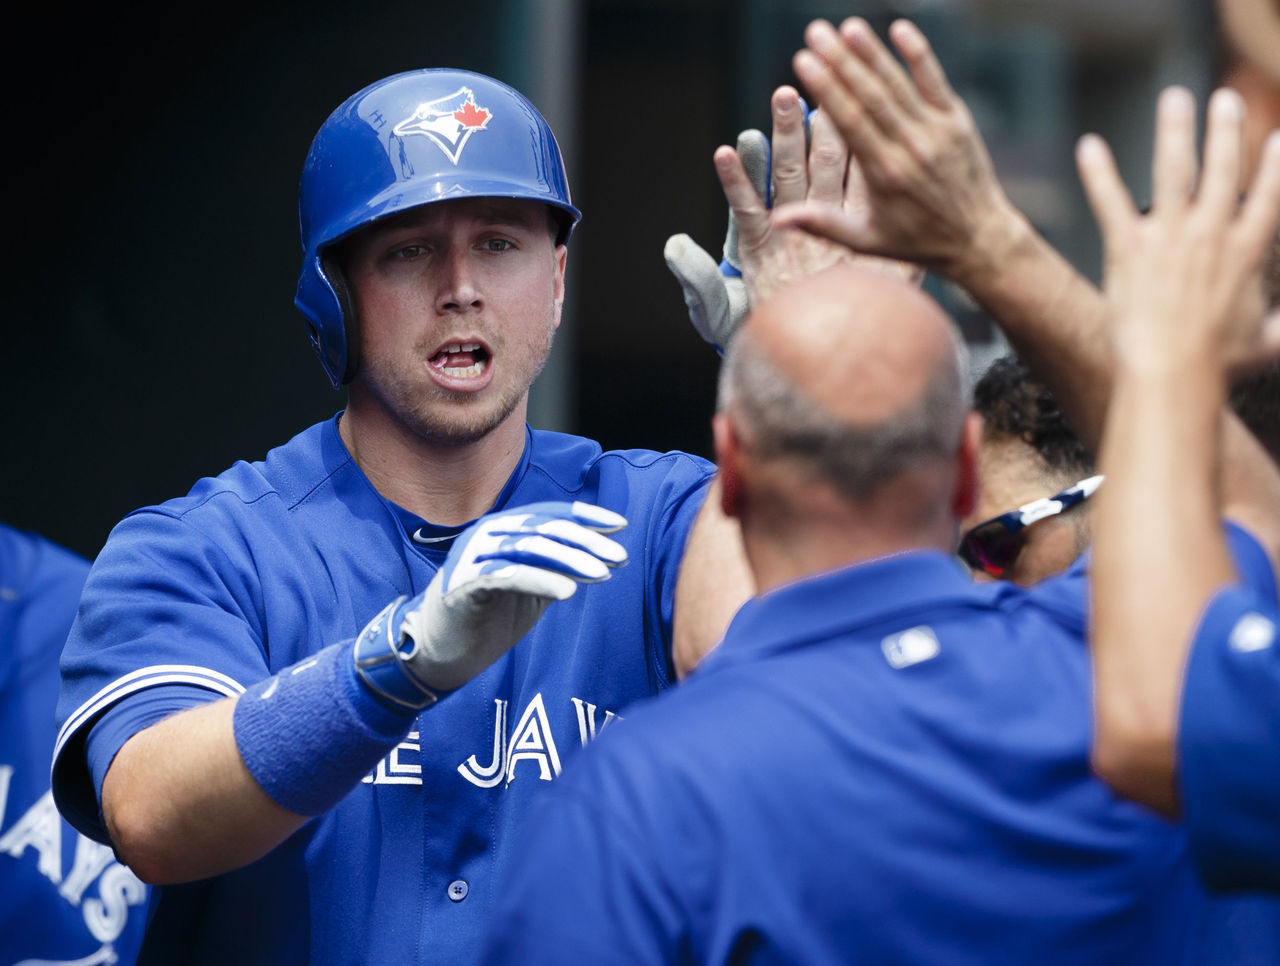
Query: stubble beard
458,418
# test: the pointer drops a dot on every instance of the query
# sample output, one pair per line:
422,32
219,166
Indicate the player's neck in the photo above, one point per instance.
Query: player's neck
445,484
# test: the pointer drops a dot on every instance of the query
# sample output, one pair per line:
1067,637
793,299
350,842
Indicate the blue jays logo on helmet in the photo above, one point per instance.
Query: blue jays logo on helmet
414,139
449,121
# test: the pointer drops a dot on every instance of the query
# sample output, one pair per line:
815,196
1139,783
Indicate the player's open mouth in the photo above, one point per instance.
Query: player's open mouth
461,360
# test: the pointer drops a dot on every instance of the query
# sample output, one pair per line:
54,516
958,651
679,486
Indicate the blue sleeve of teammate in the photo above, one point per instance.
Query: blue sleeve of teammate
1229,743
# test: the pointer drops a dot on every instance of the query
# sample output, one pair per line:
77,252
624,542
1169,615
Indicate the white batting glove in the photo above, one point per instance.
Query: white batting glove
499,577
715,292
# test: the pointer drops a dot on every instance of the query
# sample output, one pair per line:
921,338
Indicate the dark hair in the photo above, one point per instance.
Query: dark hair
1256,400
1013,403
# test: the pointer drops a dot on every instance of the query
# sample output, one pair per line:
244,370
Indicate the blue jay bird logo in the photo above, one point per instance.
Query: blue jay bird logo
448,121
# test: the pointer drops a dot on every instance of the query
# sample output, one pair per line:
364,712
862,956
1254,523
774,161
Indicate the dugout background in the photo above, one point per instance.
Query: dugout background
150,334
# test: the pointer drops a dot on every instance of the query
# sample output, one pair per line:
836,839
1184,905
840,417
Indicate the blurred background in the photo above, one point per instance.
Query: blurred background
151,336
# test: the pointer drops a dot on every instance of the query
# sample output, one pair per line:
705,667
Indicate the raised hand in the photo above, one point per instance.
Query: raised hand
805,160
500,576
1185,279
932,195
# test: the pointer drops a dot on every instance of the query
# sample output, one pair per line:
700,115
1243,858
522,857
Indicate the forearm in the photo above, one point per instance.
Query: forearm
180,804
1158,556
1053,317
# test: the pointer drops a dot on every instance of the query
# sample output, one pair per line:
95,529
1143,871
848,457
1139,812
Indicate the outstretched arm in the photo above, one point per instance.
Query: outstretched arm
1183,284
212,788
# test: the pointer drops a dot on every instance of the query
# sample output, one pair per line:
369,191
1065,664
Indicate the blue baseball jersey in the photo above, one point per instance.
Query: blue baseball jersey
884,764
271,562
1229,742
63,897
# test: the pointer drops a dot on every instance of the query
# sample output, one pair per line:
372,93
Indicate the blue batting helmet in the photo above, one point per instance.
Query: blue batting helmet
408,140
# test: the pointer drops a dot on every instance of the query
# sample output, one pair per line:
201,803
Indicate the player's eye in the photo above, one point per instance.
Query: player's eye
410,251
498,244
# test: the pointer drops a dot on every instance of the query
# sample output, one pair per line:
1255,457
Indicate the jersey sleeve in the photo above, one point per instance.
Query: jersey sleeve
1229,742
163,607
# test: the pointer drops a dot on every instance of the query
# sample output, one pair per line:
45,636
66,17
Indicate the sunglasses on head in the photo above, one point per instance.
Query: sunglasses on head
993,545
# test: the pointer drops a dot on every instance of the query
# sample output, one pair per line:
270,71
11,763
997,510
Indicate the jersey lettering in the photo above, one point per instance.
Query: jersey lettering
397,770
587,720
487,776
41,829
532,741
119,889
6,772
91,859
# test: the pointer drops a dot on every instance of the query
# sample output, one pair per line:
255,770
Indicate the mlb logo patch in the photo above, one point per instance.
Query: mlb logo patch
448,122
1252,632
910,647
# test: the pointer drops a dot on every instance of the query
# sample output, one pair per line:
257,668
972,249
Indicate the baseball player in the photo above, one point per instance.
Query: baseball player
1188,663
313,698
63,897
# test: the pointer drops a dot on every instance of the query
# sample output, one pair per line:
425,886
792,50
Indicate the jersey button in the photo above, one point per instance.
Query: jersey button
458,890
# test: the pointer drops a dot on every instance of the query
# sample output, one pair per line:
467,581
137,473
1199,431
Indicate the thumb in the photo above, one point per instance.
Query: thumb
851,229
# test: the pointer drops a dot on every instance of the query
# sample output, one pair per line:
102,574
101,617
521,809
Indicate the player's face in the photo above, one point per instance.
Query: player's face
1011,474
456,305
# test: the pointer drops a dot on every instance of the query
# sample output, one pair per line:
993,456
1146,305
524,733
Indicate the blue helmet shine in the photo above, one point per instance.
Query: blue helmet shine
408,140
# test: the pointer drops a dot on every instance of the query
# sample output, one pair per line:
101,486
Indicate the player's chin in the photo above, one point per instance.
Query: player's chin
463,419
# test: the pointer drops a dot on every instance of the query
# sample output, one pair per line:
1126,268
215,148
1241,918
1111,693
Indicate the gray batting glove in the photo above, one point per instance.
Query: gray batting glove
715,292
499,577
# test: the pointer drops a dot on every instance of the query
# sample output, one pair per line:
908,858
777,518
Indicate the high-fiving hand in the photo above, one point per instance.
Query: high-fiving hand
1184,280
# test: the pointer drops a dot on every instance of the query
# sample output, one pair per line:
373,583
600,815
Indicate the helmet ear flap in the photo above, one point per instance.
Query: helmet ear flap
332,265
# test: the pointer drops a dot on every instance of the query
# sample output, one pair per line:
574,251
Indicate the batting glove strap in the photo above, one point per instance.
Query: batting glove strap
381,653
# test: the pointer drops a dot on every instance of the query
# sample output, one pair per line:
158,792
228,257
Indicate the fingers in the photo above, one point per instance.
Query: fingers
750,214
828,160
1108,197
753,151
790,164
597,517
1219,190
902,96
1173,169
824,68
1260,215
931,81
545,553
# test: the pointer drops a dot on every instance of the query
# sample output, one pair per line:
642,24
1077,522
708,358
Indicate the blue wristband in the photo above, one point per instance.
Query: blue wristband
310,733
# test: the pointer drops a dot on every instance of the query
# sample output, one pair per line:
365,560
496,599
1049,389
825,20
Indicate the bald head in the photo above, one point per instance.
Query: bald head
863,345
852,375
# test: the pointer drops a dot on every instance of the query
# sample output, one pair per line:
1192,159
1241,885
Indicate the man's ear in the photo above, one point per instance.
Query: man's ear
561,256
729,461
964,496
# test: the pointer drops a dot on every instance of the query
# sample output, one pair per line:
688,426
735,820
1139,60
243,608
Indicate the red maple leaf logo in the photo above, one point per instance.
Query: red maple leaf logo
471,116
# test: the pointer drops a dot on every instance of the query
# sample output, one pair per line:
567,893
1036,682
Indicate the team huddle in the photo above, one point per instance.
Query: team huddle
428,685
